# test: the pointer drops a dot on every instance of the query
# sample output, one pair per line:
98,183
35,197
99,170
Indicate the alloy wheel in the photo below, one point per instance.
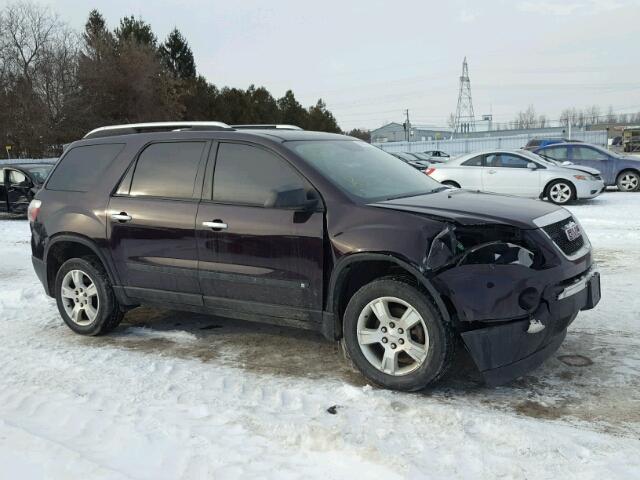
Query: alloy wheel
392,336
80,297
560,193
629,182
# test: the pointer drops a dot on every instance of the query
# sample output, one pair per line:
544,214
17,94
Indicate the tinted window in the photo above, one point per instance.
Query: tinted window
511,161
473,162
82,166
167,170
248,175
557,153
362,170
586,153
39,173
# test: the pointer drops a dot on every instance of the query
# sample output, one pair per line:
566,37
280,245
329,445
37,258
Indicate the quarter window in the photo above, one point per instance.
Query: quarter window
167,170
473,162
250,176
82,166
17,178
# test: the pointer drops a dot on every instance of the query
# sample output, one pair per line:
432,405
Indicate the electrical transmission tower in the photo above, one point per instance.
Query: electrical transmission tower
464,120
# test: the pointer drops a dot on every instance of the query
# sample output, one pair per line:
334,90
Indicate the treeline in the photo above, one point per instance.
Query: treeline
576,117
57,84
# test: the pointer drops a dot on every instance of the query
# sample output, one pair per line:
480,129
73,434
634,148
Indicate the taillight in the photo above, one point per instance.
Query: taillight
34,209
429,170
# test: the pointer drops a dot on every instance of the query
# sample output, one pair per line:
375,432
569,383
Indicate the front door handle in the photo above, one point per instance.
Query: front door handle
216,225
492,171
121,217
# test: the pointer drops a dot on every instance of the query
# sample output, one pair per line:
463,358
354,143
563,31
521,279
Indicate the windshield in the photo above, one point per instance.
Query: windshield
364,171
39,173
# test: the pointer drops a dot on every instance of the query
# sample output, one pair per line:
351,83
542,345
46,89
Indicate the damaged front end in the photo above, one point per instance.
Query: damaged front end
507,289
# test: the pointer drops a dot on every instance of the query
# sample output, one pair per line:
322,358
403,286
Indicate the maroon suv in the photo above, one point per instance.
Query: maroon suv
311,230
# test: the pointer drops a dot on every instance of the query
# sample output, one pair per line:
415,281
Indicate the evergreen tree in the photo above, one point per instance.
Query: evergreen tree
291,112
136,31
321,119
177,56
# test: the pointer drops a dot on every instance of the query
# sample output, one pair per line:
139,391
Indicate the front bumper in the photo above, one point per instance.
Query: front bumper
508,350
589,188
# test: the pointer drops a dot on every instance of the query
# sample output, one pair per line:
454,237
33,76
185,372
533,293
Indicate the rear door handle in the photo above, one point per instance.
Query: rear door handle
216,225
492,171
121,217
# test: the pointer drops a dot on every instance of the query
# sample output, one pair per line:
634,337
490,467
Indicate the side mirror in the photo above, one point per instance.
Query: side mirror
299,199
567,162
532,166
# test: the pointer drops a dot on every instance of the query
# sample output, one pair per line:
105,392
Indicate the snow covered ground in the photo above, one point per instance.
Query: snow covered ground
172,395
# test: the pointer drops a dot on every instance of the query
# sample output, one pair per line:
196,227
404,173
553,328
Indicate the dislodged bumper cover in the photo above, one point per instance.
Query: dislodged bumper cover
506,351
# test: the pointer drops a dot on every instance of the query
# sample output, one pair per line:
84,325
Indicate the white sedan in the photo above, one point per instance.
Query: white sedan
519,172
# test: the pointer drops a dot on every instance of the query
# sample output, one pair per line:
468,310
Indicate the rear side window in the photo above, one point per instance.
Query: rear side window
557,153
248,175
82,166
167,170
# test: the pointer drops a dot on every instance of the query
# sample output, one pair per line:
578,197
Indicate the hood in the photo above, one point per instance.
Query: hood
469,208
581,168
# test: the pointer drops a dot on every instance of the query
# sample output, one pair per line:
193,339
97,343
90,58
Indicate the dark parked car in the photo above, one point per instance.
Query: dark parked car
620,170
312,230
410,159
437,155
19,182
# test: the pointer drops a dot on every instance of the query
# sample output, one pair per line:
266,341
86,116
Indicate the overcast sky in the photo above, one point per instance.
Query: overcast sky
370,59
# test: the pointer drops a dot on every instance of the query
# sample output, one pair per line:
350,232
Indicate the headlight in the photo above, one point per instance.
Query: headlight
480,245
580,177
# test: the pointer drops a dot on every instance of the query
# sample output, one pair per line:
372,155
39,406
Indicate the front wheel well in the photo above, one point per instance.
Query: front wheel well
626,170
62,251
358,274
451,183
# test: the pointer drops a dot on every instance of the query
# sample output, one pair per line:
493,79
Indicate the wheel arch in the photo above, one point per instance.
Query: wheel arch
545,190
64,246
627,169
356,270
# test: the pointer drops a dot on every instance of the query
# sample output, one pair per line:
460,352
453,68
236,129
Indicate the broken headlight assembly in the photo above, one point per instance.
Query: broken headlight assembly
481,245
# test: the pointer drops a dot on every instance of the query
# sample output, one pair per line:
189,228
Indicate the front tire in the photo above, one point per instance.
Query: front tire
85,297
628,181
561,192
395,336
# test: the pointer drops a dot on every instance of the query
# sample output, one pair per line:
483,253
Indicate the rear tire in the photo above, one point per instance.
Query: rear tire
86,300
561,192
628,181
390,356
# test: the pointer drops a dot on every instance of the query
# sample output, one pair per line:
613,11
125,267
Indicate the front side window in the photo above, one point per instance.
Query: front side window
362,171
248,175
511,161
39,173
586,153
167,170
17,178
82,166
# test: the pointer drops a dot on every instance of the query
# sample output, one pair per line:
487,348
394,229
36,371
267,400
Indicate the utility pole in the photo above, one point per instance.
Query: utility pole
407,126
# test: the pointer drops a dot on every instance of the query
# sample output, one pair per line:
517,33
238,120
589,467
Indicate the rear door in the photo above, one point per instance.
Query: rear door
255,257
508,173
151,222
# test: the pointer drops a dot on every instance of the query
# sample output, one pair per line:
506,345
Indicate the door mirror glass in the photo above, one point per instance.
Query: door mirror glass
294,198
532,166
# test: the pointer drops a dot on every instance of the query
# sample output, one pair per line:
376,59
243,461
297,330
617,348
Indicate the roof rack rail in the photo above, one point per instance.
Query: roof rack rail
266,126
130,128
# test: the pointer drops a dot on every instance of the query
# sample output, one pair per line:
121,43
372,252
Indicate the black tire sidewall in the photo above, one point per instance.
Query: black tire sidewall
105,296
567,183
431,369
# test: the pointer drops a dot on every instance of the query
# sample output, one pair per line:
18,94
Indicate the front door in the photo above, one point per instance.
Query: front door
594,158
152,223
19,192
508,173
254,256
